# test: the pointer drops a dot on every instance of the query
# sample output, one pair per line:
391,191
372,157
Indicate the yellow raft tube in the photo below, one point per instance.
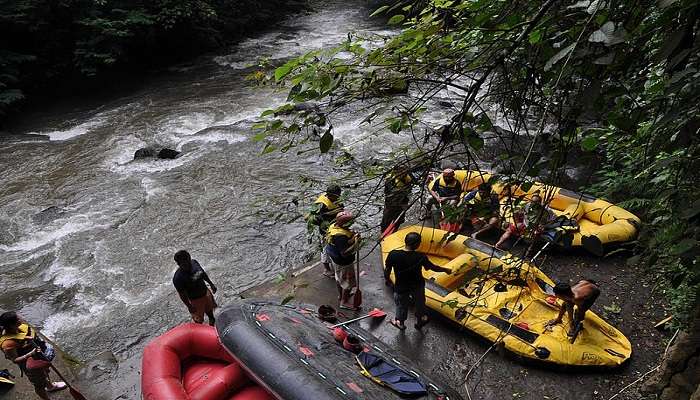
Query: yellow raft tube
600,222
503,299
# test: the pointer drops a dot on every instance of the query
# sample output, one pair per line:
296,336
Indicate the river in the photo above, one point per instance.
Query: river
87,234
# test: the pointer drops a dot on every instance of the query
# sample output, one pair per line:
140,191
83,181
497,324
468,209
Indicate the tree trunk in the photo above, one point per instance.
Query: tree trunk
678,378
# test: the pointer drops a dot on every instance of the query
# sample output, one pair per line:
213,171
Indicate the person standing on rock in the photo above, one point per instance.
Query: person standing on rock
190,282
409,284
21,345
341,247
397,193
322,214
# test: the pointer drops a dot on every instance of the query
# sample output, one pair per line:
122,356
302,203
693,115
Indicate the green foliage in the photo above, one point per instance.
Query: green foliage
618,80
53,42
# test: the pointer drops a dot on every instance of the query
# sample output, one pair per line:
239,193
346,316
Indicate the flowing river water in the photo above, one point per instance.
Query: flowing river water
87,234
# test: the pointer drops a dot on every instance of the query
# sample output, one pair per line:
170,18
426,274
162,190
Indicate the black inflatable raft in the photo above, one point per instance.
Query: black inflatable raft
295,356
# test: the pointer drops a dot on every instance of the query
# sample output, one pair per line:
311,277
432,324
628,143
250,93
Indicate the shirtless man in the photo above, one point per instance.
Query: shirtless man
582,295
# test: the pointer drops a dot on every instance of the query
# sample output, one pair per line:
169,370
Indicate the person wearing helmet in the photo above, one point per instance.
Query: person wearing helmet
445,188
341,245
407,265
322,214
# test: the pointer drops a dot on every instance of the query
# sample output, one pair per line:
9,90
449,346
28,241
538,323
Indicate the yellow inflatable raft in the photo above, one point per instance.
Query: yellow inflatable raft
600,222
504,299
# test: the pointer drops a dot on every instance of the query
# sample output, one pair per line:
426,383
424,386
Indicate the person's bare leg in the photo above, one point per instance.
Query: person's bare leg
210,316
505,236
340,292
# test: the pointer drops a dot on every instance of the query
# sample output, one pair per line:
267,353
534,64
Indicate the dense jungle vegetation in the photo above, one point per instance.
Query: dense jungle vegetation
67,45
614,80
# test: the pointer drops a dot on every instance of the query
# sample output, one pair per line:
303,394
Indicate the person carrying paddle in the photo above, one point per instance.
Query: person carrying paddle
397,193
408,265
445,188
582,295
21,345
341,246
322,214
190,282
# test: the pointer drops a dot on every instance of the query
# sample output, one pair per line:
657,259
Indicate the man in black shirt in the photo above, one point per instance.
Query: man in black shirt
408,267
189,280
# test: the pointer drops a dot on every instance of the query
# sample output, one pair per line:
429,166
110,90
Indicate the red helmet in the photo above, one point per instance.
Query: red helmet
344,217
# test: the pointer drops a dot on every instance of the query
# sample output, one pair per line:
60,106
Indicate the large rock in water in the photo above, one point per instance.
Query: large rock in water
168,154
145,152
152,152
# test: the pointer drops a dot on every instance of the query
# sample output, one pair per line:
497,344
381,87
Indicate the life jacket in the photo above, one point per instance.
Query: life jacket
400,182
441,182
386,373
334,207
445,189
25,333
335,230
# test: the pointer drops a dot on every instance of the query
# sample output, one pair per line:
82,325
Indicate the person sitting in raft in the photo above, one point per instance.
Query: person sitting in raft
397,193
408,265
483,209
539,218
514,229
445,188
341,246
322,214
22,346
189,281
582,295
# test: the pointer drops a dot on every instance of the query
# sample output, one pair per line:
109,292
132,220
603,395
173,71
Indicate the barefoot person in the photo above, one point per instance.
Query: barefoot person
582,295
340,248
22,346
189,280
408,265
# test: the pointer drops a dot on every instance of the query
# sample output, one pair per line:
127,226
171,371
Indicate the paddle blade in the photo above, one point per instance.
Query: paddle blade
376,313
76,394
389,230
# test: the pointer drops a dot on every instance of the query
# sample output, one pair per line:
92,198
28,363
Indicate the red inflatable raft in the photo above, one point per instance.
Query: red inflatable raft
189,363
